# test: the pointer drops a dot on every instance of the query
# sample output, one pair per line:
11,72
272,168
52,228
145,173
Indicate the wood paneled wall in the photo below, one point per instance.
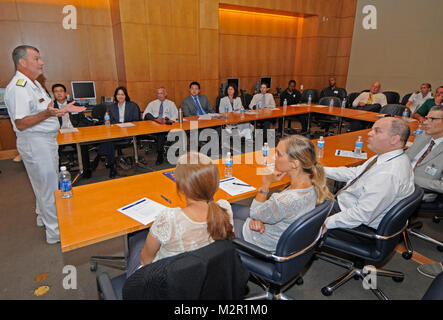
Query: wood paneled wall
144,44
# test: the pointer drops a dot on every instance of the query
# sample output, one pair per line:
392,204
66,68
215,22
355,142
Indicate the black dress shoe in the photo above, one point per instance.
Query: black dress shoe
87,174
160,159
112,171
94,163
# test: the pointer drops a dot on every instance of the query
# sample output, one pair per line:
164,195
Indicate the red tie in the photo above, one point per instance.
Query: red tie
428,150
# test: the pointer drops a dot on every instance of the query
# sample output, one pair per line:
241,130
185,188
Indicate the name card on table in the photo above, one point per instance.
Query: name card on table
351,154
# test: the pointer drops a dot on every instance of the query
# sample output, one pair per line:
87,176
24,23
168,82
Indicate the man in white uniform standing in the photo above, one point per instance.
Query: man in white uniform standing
35,123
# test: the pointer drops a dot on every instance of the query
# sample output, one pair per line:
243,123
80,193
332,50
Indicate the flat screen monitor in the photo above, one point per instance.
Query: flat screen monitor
235,81
2,98
267,80
83,91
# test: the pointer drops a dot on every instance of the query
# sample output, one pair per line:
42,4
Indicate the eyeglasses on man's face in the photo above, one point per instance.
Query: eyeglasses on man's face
432,118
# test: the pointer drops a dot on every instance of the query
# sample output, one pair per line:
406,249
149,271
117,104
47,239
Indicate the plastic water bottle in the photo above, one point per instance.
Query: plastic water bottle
65,183
405,114
180,116
320,148
226,112
242,112
331,104
419,130
343,104
358,146
265,153
285,104
107,119
228,165
310,100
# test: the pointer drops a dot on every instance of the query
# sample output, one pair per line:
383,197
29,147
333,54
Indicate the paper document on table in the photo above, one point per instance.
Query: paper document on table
68,130
320,106
144,210
205,117
351,154
126,125
234,186
251,112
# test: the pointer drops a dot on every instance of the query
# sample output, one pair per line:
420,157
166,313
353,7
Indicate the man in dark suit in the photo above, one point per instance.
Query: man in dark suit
332,90
293,96
196,104
72,120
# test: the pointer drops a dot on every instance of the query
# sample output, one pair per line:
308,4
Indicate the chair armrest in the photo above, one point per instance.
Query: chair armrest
105,288
368,234
252,249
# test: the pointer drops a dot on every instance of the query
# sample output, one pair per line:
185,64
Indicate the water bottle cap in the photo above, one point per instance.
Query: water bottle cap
228,154
63,168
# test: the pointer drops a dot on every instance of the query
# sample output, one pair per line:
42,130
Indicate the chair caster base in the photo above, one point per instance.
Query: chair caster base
440,248
93,266
398,279
406,255
299,281
326,291
436,220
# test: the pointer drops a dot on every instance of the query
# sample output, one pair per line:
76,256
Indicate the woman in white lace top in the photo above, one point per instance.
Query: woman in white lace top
264,222
202,221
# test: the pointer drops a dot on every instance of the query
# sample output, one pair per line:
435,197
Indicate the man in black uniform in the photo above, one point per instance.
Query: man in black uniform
333,90
293,96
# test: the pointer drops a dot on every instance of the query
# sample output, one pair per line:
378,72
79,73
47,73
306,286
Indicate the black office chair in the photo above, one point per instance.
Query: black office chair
435,290
369,246
314,95
393,109
213,272
351,99
392,97
325,121
246,99
405,99
276,271
435,206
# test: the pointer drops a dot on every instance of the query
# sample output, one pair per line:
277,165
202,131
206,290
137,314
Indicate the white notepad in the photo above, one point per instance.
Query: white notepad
126,125
68,130
228,186
350,154
144,210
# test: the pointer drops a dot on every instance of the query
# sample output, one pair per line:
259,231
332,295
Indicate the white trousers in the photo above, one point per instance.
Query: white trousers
40,157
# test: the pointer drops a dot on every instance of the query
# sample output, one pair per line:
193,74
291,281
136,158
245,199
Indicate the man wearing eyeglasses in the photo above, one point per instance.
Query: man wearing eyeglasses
426,156
421,112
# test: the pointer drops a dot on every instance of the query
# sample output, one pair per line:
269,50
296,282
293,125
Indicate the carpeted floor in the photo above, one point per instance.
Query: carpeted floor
25,254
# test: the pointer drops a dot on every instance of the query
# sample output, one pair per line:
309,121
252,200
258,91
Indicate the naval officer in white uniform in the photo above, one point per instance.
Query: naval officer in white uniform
35,123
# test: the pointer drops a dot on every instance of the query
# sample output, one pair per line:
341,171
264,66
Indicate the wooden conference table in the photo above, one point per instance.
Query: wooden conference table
95,134
91,215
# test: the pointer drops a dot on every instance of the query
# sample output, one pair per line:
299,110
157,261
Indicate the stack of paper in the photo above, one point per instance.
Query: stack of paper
234,186
126,125
144,210
68,130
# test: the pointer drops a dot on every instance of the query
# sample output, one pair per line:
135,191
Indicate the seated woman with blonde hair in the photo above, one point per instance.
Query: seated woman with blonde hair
201,222
263,223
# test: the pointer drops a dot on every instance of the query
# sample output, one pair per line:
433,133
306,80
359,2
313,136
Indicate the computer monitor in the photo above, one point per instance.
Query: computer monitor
235,81
83,92
267,80
2,100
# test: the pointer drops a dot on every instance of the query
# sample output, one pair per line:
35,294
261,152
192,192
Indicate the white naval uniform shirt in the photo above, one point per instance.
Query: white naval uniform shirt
26,100
417,100
169,109
390,180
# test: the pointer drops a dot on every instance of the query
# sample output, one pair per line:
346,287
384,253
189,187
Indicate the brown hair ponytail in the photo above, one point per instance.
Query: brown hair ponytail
198,179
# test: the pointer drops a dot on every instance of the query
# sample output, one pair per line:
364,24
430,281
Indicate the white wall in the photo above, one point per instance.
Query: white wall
404,51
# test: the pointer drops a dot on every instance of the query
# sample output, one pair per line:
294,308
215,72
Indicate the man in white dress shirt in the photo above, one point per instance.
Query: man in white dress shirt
35,123
263,100
162,111
418,98
370,193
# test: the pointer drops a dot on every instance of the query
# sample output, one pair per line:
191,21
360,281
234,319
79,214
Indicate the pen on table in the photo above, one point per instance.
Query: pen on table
241,184
165,198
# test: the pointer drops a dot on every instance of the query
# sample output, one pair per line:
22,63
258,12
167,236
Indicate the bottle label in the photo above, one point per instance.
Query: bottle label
228,162
321,144
359,144
418,132
265,152
65,185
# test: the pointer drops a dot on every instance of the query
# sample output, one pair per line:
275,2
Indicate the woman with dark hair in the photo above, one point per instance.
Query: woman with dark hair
123,110
202,221
233,102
